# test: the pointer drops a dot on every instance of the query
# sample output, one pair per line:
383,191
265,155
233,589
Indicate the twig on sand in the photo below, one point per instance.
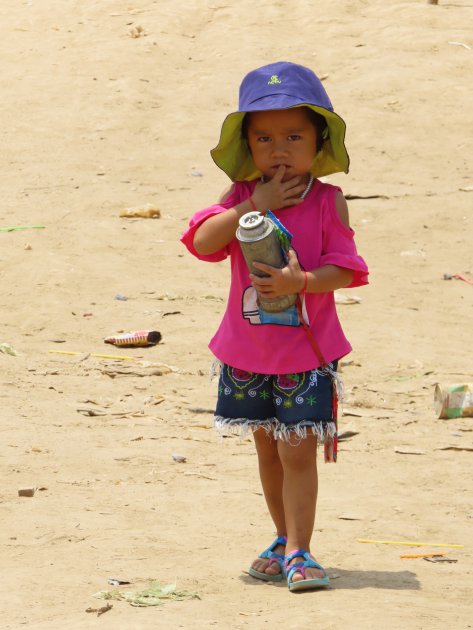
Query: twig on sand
460,44
193,474
101,610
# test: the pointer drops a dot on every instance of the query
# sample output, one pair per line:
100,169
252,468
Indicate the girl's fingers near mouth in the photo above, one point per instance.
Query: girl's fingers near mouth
281,170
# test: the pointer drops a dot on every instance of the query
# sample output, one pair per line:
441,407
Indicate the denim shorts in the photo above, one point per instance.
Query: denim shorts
282,404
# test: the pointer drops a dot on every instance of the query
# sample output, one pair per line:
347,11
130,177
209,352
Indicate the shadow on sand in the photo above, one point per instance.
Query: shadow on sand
354,580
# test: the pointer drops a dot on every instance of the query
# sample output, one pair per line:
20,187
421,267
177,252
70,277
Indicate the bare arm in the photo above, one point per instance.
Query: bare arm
219,230
331,277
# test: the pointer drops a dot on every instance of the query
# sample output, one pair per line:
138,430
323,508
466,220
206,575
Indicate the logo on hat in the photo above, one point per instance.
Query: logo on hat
274,80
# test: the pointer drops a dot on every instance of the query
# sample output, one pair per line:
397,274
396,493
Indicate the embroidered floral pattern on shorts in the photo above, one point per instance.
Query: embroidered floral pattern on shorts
289,397
241,384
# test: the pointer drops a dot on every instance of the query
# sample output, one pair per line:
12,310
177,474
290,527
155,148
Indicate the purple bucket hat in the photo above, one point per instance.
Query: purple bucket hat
280,85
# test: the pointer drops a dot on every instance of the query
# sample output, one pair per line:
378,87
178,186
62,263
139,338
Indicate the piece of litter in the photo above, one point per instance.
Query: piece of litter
201,410
408,543
409,451
121,297
349,517
100,356
154,400
88,411
135,339
343,364
147,211
413,252
193,474
151,596
99,611
455,448
340,298
423,555
117,582
439,558
22,227
179,458
345,435
7,349
457,276
26,492
350,412
460,44
353,197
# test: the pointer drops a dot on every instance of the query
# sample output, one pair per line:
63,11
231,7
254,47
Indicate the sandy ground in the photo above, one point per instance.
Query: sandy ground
96,120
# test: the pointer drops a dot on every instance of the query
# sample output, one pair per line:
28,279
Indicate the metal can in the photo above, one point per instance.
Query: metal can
454,401
259,243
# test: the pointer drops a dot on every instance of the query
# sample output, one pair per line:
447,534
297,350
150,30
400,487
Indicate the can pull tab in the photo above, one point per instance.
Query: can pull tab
252,225
251,220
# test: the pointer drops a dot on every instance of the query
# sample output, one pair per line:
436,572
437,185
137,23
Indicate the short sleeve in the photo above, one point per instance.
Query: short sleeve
338,247
202,215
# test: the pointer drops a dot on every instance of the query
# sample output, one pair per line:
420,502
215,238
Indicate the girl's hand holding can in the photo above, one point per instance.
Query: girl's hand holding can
289,279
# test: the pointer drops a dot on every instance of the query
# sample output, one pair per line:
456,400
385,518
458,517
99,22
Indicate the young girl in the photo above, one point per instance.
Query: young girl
278,370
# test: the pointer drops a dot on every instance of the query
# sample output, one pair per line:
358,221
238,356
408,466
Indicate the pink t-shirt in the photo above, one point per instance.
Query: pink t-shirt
243,339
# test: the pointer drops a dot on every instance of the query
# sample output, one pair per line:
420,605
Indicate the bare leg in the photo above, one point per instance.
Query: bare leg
300,487
271,475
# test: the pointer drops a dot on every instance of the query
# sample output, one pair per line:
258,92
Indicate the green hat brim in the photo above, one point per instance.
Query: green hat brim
232,154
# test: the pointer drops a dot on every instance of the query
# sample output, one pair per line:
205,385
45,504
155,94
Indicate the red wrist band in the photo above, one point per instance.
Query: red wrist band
305,283
252,204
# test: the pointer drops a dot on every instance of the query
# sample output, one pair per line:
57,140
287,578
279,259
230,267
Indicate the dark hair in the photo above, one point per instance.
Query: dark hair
320,125
317,120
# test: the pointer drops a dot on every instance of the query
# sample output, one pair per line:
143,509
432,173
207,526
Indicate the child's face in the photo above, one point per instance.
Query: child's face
282,137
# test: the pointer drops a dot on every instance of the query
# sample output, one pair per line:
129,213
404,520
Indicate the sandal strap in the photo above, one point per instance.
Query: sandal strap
276,558
297,553
309,562
269,552
272,557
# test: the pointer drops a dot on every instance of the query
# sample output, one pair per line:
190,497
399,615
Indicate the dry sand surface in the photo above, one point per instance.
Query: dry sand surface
114,104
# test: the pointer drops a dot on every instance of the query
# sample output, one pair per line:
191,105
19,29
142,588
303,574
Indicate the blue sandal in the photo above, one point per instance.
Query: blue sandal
309,562
269,554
